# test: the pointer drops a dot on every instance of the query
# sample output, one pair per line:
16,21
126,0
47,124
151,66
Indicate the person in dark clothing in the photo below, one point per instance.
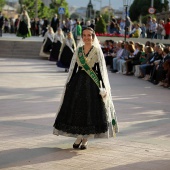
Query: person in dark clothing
55,23
1,23
45,26
159,73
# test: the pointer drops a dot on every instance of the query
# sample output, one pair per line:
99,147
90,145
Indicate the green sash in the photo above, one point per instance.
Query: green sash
87,68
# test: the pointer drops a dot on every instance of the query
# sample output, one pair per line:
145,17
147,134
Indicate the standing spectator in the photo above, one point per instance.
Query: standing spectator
148,26
41,22
6,25
78,32
33,27
45,26
160,29
12,25
112,27
82,23
128,25
122,24
143,28
1,23
92,25
16,23
167,29
153,30
55,23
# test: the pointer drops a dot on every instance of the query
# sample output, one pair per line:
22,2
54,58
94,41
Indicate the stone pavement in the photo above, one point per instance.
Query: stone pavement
30,91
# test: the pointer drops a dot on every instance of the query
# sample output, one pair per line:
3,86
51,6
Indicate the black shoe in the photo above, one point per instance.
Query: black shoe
155,82
83,147
141,77
66,70
113,71
76,146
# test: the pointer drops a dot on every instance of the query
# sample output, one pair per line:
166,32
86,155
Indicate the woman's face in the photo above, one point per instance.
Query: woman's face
69,35
50,30
87,37
59,31
160,51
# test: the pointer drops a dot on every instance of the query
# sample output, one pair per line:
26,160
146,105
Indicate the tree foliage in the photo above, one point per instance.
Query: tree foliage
140,7
55,4
43,11
2,3
100,25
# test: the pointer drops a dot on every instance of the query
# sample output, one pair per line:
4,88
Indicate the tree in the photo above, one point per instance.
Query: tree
43,11
2,3
55,4
75,16
140,7
100,25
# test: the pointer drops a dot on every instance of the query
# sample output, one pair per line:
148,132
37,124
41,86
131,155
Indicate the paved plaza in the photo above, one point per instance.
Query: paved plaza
30,91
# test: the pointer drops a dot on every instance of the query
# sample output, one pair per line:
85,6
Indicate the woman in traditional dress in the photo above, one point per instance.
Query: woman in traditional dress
47,43
24,25
86,108
58,41
66,53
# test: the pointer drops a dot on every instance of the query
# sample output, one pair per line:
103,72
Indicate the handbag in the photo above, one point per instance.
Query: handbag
103,91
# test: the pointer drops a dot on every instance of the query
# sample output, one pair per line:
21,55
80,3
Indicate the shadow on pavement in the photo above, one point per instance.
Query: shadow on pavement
24,156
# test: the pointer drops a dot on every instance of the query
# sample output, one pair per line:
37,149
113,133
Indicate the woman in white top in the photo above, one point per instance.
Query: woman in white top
86,108
47,43
24,25
66,52
57,43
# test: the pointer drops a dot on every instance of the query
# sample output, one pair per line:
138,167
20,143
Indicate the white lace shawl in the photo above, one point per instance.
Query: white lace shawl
46,36
27,19
59,37
69,43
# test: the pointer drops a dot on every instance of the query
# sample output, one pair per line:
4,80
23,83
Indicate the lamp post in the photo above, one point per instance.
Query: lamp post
125,4
36,8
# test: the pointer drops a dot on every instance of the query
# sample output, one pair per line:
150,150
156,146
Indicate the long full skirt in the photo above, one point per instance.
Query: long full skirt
55,51
82,111
23,30
47,46
65,58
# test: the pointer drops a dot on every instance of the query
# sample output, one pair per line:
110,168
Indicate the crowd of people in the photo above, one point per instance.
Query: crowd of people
149,61
38,26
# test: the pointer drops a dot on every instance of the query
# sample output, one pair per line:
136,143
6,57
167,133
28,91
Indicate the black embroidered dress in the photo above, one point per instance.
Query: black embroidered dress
82,111
66,54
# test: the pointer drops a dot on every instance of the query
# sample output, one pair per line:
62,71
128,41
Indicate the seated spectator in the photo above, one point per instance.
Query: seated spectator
159,74
117,56
145,63
134,59
156,57
166,67
121,62
136,32
108,54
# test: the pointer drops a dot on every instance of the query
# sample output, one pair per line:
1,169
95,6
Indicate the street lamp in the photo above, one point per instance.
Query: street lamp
125,4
